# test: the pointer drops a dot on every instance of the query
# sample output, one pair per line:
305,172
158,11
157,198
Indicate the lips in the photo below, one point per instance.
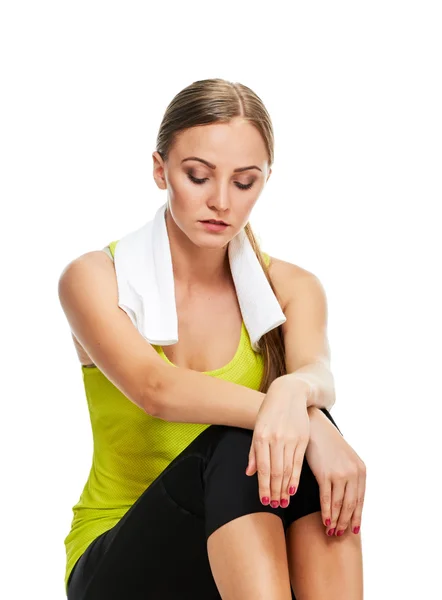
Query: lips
215,222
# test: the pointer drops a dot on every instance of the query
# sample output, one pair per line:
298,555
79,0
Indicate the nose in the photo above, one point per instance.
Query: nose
221,200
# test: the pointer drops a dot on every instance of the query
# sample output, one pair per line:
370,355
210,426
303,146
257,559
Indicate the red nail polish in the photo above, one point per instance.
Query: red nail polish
265,499
274,503
328,522
284,503
292,490
340,532
356,529
331,532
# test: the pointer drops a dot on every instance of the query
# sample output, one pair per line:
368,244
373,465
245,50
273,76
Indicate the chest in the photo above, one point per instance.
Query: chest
209,331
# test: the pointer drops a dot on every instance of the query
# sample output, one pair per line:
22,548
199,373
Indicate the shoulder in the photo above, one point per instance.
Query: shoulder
84,275
291,281
93,260
95,266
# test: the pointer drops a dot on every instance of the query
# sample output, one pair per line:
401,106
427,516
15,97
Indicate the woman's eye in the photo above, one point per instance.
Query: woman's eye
242,186
194,179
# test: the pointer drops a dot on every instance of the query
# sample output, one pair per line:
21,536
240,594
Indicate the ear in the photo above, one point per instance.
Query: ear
159,171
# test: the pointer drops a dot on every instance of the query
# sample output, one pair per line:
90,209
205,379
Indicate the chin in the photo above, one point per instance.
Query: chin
211,244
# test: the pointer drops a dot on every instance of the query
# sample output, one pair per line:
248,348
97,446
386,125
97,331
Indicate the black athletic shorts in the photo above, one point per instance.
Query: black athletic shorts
158,550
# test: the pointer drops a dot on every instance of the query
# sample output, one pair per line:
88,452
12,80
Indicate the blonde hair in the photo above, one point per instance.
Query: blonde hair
218,101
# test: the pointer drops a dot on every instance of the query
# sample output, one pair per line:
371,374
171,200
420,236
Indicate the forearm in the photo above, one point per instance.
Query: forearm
186,396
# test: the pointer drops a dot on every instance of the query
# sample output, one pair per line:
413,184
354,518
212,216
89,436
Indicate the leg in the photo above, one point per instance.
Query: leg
246,540
323,566
157,551
320,566
248,558
160,548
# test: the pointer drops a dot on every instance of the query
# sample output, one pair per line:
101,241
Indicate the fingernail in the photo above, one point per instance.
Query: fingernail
284,503
331,532
328,522
265,499
274,503
340,532
356,529
292,490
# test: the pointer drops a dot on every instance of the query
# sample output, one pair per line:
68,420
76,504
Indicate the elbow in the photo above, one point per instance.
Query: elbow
154,391
150,402
150,407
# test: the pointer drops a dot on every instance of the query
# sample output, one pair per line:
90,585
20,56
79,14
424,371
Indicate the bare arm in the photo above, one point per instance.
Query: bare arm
88,294
187,396
305,337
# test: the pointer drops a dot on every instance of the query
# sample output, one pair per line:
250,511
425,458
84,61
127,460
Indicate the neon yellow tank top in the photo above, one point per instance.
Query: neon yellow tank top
131,448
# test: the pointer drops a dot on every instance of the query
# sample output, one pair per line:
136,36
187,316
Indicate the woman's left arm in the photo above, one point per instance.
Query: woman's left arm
340,472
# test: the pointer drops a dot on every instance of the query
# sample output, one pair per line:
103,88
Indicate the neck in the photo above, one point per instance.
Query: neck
196,267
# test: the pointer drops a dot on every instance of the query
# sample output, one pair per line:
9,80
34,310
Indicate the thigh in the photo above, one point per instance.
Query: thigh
158,550
225,492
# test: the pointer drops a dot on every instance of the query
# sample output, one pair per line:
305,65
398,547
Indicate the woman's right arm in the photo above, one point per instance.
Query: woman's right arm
88,294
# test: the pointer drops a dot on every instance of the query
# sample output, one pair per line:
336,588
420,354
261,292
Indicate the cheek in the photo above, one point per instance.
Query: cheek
248,207
184,191
184,205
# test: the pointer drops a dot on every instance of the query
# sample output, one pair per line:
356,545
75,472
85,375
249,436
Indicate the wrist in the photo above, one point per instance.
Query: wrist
299,388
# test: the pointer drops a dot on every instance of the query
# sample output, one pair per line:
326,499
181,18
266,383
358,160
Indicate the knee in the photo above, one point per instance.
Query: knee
232,446
229,492
227,460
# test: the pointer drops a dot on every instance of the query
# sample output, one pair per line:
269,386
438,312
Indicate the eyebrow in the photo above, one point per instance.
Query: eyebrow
214,167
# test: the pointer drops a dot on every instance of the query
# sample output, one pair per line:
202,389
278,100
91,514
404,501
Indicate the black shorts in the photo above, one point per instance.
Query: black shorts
158,550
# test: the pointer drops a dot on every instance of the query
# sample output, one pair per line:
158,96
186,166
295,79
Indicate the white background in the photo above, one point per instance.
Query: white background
354,91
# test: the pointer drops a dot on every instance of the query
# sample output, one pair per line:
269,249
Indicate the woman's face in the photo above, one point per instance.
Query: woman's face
198,191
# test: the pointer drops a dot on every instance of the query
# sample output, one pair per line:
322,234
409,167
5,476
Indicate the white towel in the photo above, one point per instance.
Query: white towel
146,287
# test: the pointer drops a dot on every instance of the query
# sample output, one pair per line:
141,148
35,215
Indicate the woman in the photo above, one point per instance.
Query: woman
168,510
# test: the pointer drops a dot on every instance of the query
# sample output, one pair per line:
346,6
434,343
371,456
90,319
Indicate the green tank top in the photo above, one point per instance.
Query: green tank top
131,448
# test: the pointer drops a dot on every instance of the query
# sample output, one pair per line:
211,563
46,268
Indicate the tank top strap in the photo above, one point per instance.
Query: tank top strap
112,246
266,258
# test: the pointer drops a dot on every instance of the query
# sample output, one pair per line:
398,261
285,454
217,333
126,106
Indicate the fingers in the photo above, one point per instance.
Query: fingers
337,499
251,467
325,493
262,457
276,471
357,515
298,459
347,498
279,467
289,455
348,505
285,472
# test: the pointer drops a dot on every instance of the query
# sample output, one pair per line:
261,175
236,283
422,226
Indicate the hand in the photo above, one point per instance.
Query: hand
280,438
340,473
